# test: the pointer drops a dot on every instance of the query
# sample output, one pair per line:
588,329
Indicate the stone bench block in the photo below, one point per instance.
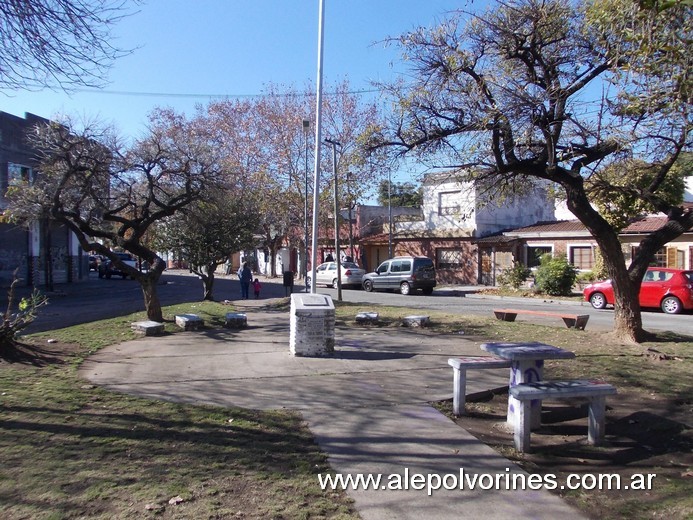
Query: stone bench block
459,381
594,391
189,321
416,321
236,320
148,327
367,317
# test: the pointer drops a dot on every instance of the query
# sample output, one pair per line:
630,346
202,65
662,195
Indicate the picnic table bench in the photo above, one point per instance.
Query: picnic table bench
594,391
578,321
459,383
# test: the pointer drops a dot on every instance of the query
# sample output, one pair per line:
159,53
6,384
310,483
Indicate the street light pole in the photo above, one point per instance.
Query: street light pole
338,259
306,127
351,227
389,214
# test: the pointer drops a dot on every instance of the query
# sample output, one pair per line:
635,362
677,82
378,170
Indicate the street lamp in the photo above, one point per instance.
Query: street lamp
306,127
389,214
351,227
338,259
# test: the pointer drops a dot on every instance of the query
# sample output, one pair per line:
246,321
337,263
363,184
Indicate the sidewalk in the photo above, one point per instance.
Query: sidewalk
368,405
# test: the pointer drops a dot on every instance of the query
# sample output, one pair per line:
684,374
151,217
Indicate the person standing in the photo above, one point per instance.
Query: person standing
256,288
246,276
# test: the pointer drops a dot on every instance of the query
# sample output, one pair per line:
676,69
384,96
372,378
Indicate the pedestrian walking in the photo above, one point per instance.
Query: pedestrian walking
256,288
246,276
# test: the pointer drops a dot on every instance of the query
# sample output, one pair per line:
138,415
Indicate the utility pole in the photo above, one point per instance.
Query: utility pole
306,127
351,227
335,144
389,214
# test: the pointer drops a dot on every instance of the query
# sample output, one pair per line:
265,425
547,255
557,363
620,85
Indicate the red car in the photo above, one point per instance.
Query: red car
669,289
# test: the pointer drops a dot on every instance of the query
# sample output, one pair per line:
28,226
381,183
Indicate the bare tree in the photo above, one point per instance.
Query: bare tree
265,140
512,98
66,43
110,196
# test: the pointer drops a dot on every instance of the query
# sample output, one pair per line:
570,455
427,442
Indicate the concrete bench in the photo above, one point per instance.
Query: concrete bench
147,327
236,320
594,391
367,317
578,321
189,321
416,321
459,376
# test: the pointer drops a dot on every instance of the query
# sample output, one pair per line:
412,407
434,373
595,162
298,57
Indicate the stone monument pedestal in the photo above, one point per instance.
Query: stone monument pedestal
312,325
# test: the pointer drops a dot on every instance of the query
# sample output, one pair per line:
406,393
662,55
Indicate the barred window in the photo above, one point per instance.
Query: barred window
449,203
449,258
659,260
582,257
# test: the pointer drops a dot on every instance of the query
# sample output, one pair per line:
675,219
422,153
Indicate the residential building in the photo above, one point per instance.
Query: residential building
44,252
572,240
450,227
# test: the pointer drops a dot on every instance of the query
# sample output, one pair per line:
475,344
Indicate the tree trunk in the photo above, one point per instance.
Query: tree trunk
273,265
152,304
208,282
149,281
627,315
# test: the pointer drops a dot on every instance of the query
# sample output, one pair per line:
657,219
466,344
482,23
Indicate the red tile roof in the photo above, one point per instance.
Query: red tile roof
642,225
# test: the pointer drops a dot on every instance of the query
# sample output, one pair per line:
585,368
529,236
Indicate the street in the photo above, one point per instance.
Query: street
463,302
100,298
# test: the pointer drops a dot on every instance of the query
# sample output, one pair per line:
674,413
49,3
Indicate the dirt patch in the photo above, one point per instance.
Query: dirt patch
39,354
645,434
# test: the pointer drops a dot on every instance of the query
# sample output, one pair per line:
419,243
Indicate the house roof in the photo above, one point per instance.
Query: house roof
545,229
383,238
496,239
573,228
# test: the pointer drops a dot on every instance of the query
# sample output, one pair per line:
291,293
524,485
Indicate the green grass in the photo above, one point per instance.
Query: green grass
598,354
73,450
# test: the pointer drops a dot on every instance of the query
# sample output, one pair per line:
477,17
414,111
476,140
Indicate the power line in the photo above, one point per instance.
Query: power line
212,96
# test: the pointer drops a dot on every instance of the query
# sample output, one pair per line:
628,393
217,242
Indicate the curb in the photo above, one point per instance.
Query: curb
529,300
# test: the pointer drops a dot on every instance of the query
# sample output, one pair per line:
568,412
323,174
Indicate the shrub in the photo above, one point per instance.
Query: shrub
599,269
555,276
514,276
13,322
586,277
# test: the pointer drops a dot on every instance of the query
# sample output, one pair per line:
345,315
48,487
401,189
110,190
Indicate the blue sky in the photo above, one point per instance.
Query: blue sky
190,49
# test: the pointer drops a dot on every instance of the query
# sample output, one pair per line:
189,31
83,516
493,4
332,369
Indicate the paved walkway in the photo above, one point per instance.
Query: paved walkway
367,405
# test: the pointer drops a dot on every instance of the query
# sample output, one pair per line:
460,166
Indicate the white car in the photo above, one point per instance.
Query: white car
326,274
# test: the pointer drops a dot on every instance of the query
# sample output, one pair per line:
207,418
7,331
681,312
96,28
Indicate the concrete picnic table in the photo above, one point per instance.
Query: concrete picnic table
526,366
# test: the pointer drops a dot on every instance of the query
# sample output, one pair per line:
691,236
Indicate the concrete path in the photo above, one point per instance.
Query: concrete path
367,406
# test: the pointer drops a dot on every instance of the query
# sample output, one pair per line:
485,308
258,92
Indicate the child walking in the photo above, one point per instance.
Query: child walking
256,287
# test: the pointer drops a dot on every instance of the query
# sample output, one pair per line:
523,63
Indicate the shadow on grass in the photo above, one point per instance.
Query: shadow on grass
33,355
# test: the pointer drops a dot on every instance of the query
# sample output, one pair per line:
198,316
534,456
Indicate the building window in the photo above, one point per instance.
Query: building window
666,257
449,203
534,254
18,174
582,257
449,258
660,258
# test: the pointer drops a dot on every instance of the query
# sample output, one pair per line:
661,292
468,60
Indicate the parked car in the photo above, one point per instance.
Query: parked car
404,274
94,261
108,269
669,289
326,274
